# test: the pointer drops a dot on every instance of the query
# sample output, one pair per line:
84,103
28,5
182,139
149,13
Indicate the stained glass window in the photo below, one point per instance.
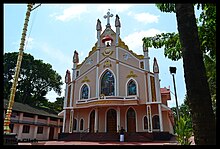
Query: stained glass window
132,89
84,92
108,84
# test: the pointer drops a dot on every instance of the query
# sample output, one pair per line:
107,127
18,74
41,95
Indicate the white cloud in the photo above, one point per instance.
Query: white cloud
54,53
134,40
71,12
145,17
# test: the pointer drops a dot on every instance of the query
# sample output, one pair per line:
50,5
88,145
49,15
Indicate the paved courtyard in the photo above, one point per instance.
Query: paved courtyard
171,142
96,143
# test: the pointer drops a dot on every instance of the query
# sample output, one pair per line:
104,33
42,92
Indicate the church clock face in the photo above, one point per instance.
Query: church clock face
107,51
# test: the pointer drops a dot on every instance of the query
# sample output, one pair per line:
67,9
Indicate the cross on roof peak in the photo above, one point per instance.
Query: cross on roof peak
108,18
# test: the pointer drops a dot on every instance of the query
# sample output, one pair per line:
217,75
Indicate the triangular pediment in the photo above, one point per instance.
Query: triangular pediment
108,31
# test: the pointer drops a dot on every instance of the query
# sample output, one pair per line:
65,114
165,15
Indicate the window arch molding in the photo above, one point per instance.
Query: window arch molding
100,80
126,87
80,91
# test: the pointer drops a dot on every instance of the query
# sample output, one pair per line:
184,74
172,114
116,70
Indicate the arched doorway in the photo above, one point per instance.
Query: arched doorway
131,123
92,121
111,121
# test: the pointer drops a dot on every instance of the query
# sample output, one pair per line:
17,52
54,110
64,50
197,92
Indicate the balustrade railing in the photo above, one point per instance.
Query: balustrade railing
108,97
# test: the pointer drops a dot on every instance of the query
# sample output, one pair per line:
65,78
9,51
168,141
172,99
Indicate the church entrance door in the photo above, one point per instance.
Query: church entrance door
131,124
111,121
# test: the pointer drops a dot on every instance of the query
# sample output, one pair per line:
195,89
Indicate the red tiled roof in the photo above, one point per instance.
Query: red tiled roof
164,90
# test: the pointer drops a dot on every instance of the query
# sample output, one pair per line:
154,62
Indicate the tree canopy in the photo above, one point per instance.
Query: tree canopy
36,79
206,23
195,42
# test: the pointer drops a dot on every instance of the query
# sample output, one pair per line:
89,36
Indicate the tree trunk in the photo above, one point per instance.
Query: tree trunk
204,123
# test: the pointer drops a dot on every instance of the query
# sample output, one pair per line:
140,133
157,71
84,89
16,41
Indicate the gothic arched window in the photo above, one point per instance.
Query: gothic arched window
84,92
132,88
145,122
156,123
108,84
74,124
81,124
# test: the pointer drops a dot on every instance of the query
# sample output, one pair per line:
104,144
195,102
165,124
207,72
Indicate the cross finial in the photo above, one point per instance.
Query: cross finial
108,18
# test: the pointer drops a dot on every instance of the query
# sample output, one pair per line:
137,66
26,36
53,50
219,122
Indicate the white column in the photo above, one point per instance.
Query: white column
160,117
71,94
97,81
98,37
117,73
157,87
146,62
149,118
64,106
65,98
96,120
117,80
64,121
117,35
71,121
149,88
118,119
146,87
74,71
97,74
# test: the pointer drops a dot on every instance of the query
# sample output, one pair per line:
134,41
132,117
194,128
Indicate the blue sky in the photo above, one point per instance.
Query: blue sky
56,30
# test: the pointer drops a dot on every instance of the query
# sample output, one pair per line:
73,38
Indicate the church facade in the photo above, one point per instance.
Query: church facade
113,88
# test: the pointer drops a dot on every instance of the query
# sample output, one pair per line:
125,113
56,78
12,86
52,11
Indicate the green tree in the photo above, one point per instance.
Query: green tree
187,45
58,104
184,112
183,130
36,79
207,37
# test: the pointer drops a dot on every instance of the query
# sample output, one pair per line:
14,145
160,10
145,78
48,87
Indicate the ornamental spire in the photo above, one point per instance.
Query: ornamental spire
117,21
155,66
76,57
